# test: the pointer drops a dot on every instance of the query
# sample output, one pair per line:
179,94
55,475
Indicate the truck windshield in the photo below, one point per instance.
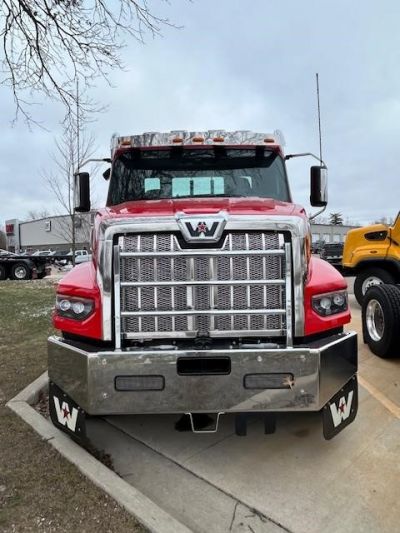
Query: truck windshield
193,173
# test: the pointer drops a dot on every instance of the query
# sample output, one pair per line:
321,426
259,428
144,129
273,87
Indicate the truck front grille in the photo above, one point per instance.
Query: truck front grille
236,290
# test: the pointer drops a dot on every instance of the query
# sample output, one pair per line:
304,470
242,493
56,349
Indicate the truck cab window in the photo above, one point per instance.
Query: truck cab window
197,173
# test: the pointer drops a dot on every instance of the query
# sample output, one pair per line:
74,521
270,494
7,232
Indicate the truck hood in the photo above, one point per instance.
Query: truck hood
234,206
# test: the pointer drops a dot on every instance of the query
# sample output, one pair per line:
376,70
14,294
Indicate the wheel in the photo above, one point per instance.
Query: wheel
381,320
2,272
368,278
20,271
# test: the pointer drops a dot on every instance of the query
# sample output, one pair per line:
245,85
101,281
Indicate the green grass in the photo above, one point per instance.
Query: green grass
39,489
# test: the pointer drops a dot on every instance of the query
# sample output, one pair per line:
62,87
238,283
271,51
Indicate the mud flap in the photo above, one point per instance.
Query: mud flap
341,410
66,414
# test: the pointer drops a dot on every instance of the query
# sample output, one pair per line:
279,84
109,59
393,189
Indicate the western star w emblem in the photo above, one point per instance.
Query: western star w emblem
202,228
208,228
341,412
65,415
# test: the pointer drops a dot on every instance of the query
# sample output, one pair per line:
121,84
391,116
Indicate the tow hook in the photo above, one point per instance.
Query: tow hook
203,342
206,429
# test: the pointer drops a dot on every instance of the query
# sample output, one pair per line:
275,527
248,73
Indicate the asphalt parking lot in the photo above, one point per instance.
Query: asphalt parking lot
292,480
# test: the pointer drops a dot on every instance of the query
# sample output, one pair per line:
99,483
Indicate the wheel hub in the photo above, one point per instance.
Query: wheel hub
375,320
371,281
20,272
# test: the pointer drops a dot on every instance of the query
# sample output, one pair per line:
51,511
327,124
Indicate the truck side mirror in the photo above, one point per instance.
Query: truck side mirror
318,186
82,192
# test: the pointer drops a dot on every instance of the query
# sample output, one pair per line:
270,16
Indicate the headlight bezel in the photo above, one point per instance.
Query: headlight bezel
64,310
334,308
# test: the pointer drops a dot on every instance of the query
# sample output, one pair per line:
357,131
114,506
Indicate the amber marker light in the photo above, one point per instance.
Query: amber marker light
218,139
198,139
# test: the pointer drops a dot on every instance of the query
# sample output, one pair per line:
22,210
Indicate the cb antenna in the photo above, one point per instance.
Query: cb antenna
319,121
320,143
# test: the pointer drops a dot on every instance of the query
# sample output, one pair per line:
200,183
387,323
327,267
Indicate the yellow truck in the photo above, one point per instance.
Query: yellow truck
372,255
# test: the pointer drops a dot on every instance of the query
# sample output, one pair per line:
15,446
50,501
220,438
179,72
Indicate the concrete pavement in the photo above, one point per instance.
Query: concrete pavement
292,480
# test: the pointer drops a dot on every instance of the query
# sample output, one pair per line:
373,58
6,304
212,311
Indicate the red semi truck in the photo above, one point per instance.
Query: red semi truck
202,295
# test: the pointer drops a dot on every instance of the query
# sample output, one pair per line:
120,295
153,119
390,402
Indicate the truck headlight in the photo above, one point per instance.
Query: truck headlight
330,303
72,307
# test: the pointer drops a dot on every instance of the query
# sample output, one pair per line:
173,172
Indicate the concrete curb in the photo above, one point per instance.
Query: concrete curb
30,394
145,510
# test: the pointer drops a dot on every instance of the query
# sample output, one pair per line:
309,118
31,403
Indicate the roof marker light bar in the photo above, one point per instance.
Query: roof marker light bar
208,137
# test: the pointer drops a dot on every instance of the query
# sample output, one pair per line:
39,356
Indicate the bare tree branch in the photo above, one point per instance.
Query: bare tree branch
60,181
37,214
47,45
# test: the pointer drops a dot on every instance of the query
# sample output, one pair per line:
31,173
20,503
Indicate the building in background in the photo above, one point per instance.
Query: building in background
329,233
50,233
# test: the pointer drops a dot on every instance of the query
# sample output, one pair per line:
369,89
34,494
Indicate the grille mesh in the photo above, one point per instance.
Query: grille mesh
221,267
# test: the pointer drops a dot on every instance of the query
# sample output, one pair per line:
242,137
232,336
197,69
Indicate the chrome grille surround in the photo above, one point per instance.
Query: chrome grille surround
241,289
107,228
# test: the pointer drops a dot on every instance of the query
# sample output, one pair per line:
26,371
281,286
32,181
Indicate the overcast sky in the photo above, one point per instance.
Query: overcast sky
247,65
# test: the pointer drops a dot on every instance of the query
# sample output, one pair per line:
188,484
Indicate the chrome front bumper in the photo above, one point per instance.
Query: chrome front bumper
319,370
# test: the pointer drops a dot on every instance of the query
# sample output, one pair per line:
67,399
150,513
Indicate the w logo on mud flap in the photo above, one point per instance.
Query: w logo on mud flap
65,415
342,411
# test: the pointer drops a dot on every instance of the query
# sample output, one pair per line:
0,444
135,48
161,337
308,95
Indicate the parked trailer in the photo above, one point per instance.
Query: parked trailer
23,267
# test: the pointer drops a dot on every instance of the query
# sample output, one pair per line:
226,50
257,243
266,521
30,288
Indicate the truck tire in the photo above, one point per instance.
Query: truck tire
20,271
368,278
381,320
2,272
